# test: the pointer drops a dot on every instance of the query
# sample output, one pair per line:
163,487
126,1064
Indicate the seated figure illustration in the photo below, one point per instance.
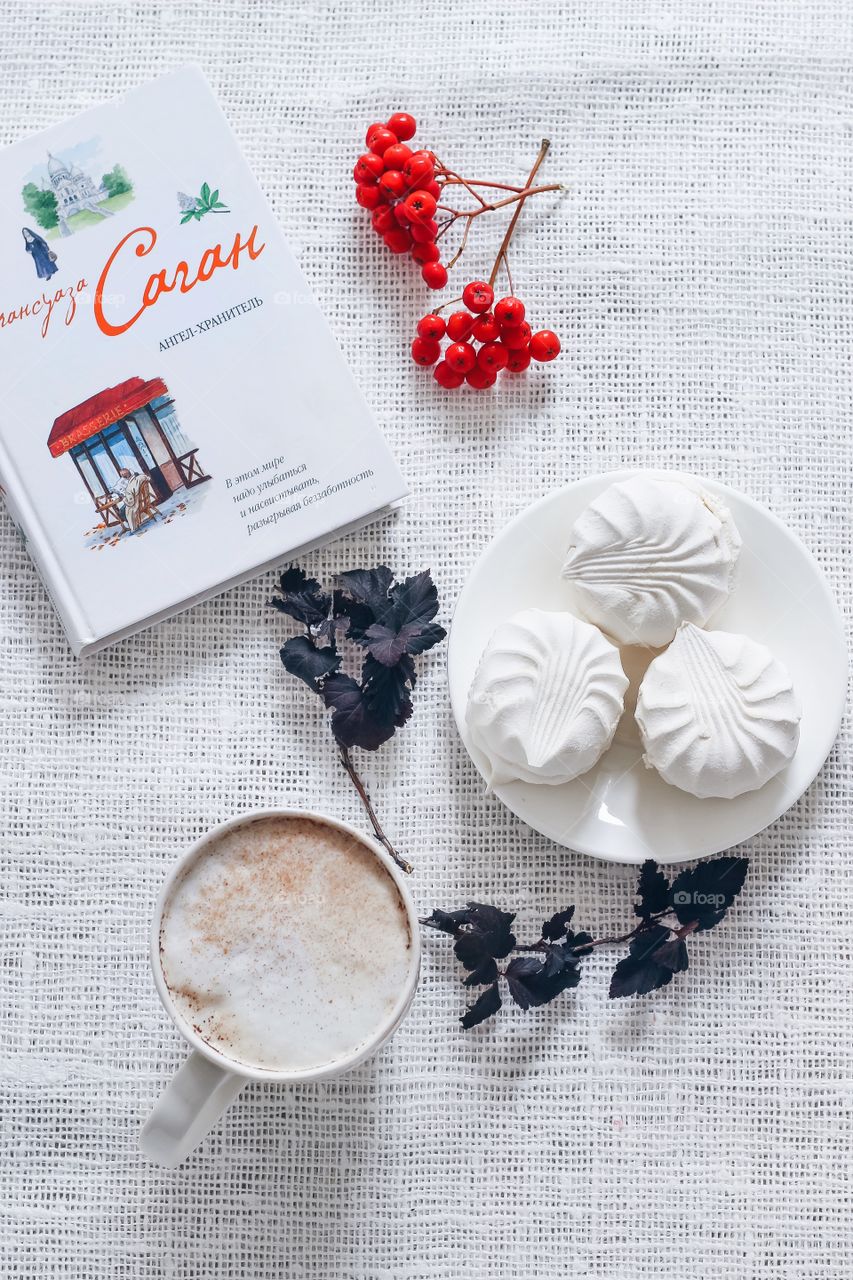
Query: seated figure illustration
132,495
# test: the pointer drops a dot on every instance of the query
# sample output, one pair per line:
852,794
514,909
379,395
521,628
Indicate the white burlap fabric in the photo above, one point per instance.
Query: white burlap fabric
699,273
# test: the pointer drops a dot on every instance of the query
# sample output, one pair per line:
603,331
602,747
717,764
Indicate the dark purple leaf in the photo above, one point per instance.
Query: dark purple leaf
303,659
368,587
558,925
494,926
447,921
472,949
412,601
484,1007
423,637
673,955
302,598
353,723
385,645
639,972
351,614
577,941
556,958
533,982
386,690
388,646
484,973
652,890
705,893
492,920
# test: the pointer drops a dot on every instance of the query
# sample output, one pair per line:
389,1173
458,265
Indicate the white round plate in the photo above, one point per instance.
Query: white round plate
620,810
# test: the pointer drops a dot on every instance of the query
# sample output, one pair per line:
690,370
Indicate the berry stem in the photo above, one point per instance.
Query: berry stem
479,182
518,195
529,190
470,214
449,175
469,218
451,303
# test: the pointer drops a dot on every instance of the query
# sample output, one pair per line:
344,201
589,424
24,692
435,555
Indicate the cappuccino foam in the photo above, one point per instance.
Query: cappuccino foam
285,944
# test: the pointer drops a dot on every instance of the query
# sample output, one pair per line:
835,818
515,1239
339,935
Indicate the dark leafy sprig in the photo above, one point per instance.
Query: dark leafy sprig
387,624
697,900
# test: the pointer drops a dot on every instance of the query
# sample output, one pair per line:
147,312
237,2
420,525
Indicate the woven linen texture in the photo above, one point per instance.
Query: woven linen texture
699,274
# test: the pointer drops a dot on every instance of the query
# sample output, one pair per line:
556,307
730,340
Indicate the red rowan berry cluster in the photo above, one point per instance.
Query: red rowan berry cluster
399,187
483,340
406,193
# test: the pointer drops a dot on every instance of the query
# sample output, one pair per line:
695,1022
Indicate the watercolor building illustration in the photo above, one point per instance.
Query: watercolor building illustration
130,452
63,196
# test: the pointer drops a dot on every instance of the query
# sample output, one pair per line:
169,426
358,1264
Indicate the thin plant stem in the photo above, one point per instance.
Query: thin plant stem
470,214
517,195
449,174
356,781
458,254
643,927
478,182
529,190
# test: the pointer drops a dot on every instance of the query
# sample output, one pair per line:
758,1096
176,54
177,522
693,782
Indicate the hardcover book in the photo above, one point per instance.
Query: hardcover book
177,415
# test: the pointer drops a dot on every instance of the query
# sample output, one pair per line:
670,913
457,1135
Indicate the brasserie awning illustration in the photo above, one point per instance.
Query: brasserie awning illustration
127,443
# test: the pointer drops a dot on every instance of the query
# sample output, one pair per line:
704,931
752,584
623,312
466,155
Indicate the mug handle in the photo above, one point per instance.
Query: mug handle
187,1109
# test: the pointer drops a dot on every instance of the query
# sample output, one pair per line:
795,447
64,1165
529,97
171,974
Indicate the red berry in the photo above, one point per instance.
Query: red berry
383,219
478,296
480,379
368,197
425,351
461,356
487,328
434,188
398,240
516,336
434,275
492,357
403,125
392,183
381,139
460,325
544,345
509,311
422,154
425,252
432,326
518,361
371,130
395,157
418,171
420,204
424,230
368,168
401,213
447,377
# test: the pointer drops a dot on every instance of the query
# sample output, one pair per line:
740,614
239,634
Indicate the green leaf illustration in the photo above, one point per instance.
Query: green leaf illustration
206,201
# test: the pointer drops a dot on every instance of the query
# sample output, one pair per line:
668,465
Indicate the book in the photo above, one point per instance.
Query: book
177,415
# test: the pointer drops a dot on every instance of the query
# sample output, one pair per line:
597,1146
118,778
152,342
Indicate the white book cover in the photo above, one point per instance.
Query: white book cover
176,415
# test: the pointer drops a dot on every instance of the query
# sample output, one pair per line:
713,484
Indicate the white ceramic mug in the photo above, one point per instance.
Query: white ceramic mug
207,1082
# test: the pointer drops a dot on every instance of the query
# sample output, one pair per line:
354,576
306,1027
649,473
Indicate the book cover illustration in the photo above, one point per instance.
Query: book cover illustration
61,195
129,450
